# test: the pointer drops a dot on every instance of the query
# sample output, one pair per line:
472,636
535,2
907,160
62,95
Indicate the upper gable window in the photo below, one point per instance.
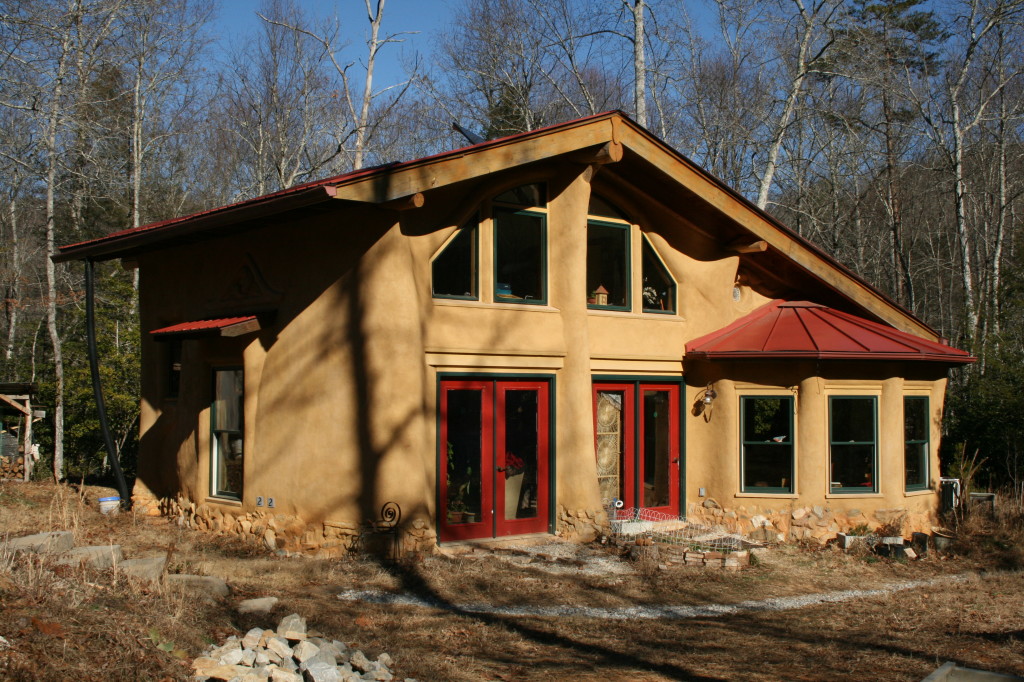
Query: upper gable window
520,256
659,289
454,270
608,265
525,196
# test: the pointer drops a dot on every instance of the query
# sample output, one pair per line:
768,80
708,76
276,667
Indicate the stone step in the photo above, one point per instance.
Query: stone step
57,541
97,556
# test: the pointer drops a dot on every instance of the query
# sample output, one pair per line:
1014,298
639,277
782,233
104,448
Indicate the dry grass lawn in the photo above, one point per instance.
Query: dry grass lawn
73,624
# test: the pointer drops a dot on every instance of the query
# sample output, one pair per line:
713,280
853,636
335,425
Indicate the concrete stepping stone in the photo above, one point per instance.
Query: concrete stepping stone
149,568
57,541
214,587
98,556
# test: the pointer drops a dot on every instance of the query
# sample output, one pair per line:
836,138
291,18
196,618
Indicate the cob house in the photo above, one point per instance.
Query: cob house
502,339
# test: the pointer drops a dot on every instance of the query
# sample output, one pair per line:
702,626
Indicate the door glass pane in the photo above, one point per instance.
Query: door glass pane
520,475
611,435
465,433
656,448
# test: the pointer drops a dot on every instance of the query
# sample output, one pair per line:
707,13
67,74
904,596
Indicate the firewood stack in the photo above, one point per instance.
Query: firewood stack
12,468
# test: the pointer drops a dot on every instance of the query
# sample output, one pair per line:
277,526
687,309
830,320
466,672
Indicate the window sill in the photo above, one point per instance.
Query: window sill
460,303
918,493
230,501
852,496
774,496
665,316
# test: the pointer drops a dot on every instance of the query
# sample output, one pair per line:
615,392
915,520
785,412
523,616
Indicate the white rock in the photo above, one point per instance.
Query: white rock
322,672
233,657
303,651
252,638
292,627
279,645
260,605
282,675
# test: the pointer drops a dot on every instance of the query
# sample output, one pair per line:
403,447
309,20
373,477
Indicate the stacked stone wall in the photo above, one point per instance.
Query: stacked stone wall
581,525
792,523
291,534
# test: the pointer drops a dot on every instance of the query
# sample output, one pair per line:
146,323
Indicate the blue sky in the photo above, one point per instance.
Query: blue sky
237,19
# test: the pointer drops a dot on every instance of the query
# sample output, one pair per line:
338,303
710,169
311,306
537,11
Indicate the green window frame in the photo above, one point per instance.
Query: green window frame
455,267
520,258
602,266
767,462
227,433
658,287
853,444
916,442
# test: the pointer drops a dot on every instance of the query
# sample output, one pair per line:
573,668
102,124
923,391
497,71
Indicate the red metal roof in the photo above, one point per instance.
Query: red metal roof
800,329
226,326
309,192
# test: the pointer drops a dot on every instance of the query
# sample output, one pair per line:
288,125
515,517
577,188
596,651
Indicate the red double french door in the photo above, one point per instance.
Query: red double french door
494,457
636,431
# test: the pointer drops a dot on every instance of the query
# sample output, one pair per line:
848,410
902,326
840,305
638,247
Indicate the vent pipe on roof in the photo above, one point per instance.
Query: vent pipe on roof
468,134
94,367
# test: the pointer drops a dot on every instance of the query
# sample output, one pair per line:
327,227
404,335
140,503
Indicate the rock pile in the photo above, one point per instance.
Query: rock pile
289,654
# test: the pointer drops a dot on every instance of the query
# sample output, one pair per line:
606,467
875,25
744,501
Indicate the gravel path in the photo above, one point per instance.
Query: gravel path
648,612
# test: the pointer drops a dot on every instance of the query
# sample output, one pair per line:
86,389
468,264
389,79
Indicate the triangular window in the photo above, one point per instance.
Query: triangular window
454,270
659,289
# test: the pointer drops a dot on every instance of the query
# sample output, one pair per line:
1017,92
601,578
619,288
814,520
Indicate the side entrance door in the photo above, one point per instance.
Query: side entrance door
494,458
636,427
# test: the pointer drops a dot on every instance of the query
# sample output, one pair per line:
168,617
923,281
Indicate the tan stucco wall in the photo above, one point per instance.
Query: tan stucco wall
341,386
713,443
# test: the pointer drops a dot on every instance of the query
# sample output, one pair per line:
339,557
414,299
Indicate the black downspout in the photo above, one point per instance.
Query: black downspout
94,367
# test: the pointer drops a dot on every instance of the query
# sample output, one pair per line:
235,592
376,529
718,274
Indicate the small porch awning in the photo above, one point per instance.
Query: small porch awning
804,330
224,326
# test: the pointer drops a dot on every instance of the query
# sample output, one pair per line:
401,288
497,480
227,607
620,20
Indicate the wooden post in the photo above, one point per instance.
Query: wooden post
29,455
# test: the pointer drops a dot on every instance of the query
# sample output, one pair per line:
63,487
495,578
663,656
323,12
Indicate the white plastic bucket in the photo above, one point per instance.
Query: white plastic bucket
110,505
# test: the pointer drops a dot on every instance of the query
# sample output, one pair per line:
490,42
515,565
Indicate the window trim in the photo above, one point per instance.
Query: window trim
854,490
789,490
628,295
926,442
214,488
533,213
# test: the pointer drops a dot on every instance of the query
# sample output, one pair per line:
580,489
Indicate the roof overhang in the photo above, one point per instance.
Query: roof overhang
224,326
594,140
802,330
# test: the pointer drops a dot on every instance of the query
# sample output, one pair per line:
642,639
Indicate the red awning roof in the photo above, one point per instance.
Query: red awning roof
800,329
224,326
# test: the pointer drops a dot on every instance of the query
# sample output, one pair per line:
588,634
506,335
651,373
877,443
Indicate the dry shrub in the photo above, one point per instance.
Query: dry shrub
996,540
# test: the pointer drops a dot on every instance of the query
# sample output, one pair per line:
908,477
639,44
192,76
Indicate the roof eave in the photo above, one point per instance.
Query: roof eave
797,355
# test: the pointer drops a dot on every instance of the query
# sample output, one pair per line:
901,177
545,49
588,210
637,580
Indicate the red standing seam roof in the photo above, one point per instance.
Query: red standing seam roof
801,329
325,184
199,326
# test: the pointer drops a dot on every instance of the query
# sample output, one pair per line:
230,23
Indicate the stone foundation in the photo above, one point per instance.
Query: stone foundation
581,525
291,534
821,523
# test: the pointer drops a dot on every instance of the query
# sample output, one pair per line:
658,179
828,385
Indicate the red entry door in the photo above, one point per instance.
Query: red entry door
636,427
494,437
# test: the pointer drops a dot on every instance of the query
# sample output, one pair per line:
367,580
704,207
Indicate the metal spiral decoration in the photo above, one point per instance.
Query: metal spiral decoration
390,515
